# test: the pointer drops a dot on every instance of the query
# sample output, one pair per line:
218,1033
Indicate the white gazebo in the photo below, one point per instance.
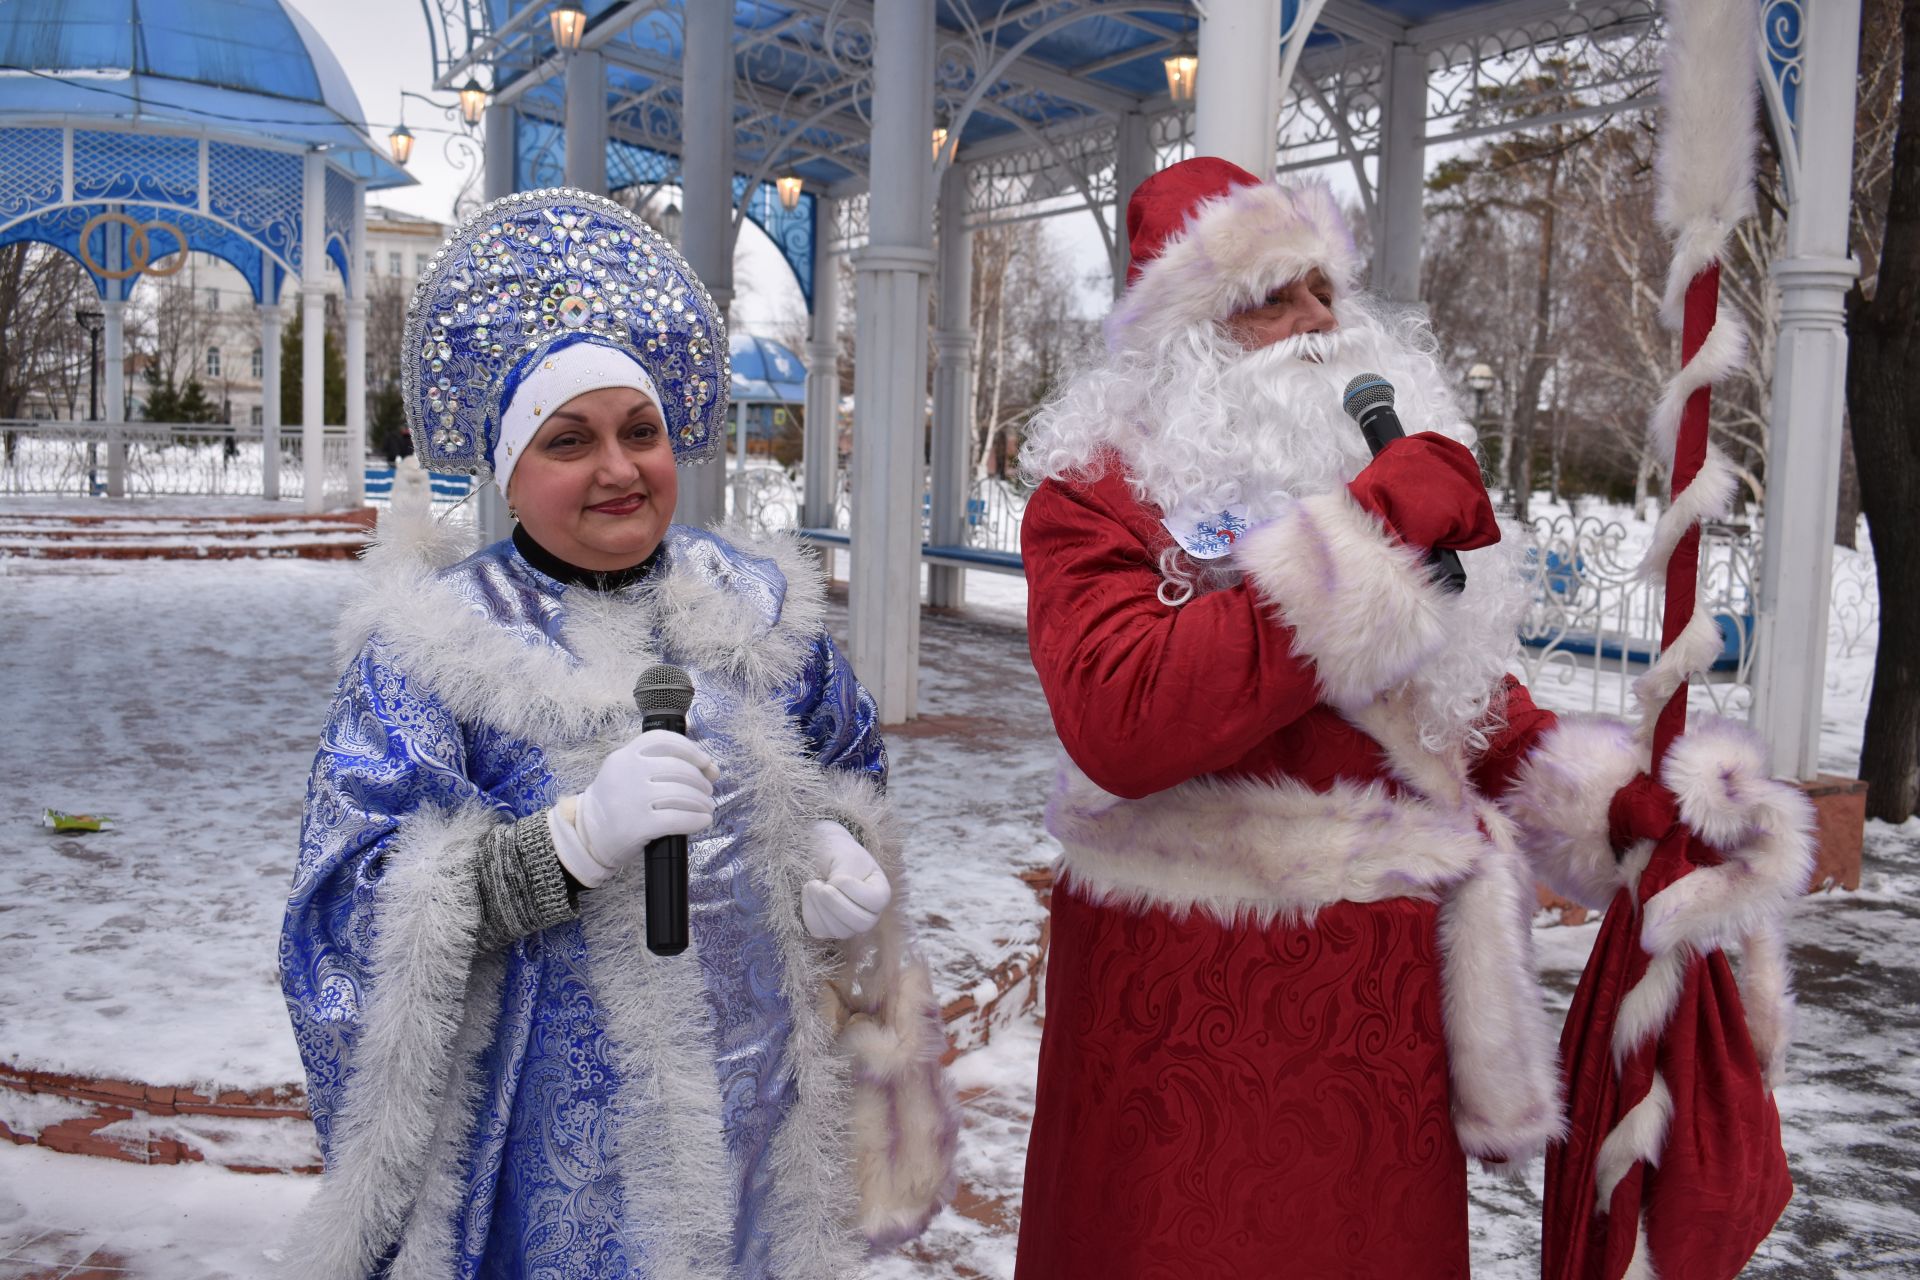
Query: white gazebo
902,125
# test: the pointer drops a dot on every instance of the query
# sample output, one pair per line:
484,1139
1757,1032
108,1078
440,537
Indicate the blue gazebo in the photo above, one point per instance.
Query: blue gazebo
133,131
768,380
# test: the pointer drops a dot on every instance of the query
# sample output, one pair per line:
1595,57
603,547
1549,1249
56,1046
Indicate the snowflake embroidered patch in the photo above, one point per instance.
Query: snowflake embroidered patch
1209,534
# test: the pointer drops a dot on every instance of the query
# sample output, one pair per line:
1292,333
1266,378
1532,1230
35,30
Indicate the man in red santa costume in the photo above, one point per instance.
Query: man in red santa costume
1302,806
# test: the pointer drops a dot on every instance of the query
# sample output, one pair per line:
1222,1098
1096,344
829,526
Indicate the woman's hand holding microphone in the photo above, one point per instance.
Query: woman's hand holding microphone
661,784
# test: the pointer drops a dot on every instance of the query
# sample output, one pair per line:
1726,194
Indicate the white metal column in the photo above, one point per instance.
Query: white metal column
313,334
115,339
586,83
1236,106
269,395
890,414
1396,272
952,389
820,444
1809,398
500,179
706,218
356,318
1133,164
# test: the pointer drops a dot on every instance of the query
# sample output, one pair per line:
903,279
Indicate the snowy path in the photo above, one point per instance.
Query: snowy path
183,699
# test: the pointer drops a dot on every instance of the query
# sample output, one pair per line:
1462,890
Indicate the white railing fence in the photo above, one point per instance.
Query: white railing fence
164,459
1593,622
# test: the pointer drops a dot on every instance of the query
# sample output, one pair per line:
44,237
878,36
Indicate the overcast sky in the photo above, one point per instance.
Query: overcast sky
383,46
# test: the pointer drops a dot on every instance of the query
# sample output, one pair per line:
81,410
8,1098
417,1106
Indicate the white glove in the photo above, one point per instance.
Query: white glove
659,784
852,890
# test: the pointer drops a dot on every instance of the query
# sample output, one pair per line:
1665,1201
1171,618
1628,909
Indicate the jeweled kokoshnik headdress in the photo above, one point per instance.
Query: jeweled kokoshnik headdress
538,269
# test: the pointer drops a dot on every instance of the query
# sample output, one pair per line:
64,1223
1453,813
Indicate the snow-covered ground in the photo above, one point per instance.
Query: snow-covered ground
183,700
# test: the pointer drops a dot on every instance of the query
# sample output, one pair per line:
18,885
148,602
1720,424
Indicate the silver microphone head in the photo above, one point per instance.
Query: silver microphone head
1364,392
663,689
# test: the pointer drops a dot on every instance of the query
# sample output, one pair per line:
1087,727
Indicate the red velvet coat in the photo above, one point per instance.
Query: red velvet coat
1246,1063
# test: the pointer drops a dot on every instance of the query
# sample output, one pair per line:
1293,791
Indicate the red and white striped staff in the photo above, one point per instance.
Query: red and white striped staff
1673,1166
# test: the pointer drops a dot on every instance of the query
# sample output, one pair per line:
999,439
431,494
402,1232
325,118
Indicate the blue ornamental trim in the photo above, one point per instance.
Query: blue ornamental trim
536,268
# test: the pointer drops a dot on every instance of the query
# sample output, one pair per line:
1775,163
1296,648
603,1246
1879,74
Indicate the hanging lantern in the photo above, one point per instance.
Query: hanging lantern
939,141
1182,69
473,101
789,188
401,140
569,23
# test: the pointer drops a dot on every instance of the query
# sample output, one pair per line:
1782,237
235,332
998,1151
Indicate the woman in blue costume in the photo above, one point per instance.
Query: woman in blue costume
504,1080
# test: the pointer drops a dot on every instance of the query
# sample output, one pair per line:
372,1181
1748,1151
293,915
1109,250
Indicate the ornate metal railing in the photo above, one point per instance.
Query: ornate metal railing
994,509
1592,620
163,459
1855,617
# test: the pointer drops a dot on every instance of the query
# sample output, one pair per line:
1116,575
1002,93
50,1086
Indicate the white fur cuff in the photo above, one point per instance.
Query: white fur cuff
1560,799
1360,605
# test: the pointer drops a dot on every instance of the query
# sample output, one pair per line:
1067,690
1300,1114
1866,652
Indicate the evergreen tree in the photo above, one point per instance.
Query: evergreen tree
293,365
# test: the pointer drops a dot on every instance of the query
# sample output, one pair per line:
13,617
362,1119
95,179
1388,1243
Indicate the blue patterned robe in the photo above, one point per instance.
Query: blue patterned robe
482,693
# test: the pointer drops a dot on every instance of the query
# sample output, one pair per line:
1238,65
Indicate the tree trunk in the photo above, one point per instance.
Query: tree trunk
1846,516
1883,382
1526,408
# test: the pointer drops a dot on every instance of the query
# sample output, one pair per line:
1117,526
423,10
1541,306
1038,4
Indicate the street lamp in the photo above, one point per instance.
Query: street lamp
473,101
939,141
788,186
1480,379
569,23
93,322
670,224
401,140
1183,68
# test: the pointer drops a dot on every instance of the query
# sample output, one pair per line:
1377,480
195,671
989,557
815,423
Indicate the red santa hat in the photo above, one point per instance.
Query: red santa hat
1209,239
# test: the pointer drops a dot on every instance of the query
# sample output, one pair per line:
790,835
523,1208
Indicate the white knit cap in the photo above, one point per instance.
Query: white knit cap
559,377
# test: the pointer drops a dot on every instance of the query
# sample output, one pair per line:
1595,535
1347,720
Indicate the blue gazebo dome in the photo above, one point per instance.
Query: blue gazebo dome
252,66
765,372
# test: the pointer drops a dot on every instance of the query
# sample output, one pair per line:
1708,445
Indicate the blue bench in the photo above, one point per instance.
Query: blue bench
1634,652
446,487
957,556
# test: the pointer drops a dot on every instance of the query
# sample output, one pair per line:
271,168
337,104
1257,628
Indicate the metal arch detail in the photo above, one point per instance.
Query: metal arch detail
65,227
1783,34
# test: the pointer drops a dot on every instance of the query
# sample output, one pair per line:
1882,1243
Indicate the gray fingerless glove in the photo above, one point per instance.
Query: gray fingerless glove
522,887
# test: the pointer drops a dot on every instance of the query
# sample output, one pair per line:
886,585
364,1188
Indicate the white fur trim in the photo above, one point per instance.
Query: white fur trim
1640,1136
1361,606
1766,993
1560,800
1717,770
1234,250
1255,851
1501,1054
1697,647
1708,497
422,971
1645,1010
1704,165
675,1177
1640,1265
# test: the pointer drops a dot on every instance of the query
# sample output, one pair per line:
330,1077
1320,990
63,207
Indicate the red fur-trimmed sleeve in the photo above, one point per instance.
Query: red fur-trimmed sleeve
1144,695
1524,723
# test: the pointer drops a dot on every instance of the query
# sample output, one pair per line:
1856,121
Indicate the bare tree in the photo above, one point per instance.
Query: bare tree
1883,385
1026,334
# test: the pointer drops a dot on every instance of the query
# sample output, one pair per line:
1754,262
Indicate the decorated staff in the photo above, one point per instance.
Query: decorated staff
1673,1167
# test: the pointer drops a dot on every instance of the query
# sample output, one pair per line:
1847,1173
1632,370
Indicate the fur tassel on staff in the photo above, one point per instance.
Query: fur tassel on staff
1673,1167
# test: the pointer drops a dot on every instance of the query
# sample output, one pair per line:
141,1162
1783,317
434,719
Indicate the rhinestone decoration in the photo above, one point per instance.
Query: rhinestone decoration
531,270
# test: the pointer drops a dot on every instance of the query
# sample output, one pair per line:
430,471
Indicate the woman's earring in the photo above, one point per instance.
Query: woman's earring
512,514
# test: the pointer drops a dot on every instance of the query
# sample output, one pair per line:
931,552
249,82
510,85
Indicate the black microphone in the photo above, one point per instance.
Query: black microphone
1368,400
663,693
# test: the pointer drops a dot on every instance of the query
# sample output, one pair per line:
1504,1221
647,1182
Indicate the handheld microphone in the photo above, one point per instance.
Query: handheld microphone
1368,400
663,693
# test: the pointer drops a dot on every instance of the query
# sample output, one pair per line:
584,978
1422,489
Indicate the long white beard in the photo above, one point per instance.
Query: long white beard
1200,423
